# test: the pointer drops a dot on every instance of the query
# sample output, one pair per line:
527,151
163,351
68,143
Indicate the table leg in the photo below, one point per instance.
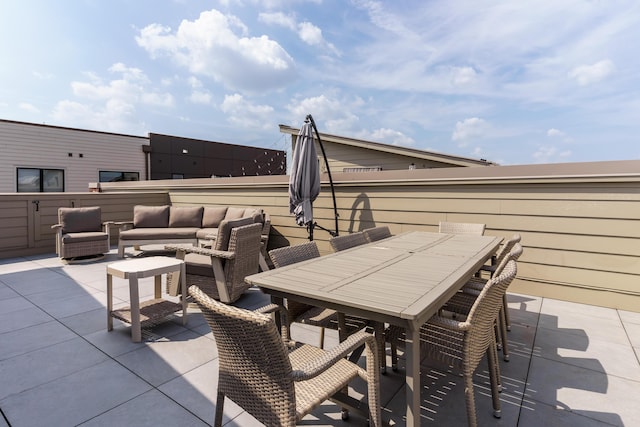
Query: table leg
412,354
157,281
109,302
136,334
183,297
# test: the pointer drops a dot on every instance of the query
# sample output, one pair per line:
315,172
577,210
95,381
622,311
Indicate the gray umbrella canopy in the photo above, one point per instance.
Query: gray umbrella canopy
304,181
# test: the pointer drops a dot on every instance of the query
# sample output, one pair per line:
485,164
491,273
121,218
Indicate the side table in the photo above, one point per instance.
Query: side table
150,311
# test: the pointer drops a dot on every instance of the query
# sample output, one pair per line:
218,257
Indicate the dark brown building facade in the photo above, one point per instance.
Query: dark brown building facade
173,157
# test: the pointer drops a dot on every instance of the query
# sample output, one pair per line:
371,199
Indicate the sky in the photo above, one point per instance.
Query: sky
513,82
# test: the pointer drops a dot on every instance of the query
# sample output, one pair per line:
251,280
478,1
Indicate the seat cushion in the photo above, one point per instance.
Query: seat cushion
88,236
207,233
197,264
79,220
159,233
150,216
185,216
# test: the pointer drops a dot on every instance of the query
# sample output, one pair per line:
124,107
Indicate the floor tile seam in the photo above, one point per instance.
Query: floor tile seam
626,332
4,417
608,374
531,356
567,409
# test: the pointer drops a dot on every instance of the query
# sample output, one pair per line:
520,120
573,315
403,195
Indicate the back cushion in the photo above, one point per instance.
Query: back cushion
150,216
80,220
256,214
187,216
224,231
213,216
234,213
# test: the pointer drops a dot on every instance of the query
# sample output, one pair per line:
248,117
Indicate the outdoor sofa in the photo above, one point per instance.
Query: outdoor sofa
196,225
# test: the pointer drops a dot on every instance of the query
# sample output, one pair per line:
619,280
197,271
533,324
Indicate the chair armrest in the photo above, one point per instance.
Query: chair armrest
56,226
315,367
449,323
202,251
124,225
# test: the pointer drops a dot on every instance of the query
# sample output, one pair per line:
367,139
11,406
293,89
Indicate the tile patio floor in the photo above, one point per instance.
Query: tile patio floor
571,364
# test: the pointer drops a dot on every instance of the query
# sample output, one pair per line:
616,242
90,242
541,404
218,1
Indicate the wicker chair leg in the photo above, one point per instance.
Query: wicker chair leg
502,321
470,399
322,337
495,367
219,409
506,311
494,376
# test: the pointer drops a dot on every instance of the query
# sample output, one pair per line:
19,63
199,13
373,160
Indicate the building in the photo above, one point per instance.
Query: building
356,155
45,158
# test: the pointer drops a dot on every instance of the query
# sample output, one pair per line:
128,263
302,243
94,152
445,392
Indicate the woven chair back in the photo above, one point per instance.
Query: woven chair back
245,242
288,255
461,228
255,370
340,243
377,233
484,313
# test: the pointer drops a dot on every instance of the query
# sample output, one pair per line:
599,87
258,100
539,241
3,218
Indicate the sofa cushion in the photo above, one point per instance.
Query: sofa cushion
235,213
185,216
213,216
79,220
159,233
224,231
150,216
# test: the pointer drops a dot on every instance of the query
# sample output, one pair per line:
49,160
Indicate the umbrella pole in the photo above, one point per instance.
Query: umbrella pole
333,193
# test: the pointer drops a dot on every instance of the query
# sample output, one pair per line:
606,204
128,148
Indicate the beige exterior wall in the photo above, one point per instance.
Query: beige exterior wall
580,223
341,156
26,145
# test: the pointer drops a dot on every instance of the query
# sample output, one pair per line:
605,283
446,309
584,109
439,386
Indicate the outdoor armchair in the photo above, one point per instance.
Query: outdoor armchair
220,272
278,385
80,232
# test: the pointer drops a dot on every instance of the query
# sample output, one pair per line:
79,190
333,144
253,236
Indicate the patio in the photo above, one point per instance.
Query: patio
571,364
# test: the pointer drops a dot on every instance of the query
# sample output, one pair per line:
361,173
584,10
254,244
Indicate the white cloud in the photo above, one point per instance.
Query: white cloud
555,132
463,75
217,45
112,105
588,74
391,136
335,115
200,97
242,112
25,106
469,129
278,18
550,153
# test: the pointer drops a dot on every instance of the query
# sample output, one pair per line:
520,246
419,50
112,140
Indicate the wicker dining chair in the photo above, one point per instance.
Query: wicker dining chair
220,272
462,302
347,241
461,228
377,233
462,344
495,262
299,312
276,385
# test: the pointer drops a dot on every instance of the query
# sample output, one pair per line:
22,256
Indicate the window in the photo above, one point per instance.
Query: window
112,176
32,180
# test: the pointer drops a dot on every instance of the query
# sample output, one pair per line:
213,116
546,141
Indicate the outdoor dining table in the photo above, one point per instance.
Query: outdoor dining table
402,280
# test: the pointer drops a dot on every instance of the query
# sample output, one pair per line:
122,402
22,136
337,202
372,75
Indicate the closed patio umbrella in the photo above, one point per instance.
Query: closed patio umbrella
304,181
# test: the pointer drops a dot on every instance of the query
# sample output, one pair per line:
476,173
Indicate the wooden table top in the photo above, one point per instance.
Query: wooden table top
405,278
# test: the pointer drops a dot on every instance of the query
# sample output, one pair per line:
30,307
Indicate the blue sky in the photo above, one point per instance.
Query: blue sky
513,82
